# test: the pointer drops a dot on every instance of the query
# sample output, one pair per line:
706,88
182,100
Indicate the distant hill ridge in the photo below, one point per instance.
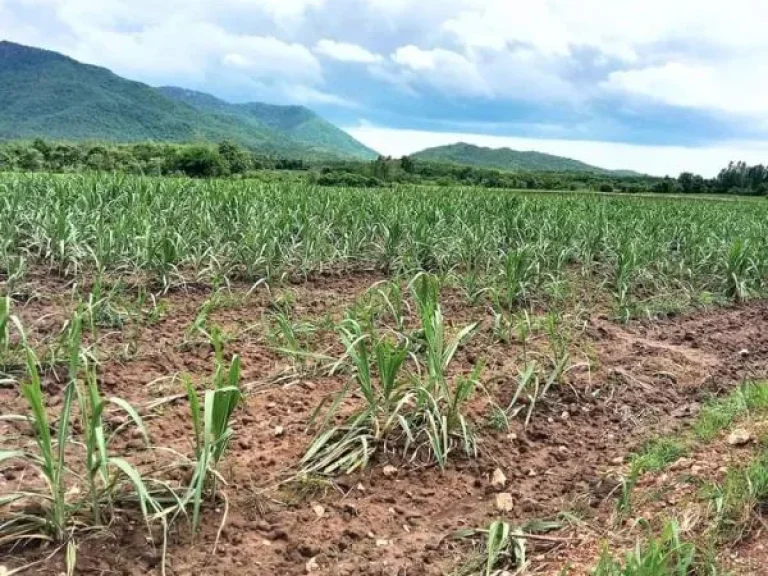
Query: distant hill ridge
508,160
48,95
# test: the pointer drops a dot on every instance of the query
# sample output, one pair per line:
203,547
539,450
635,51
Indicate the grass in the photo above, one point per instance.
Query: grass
715,416
718,415
668,554
740,500
655,455
736,503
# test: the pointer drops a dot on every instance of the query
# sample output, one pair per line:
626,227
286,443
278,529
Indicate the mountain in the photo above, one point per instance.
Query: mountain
506,159
48,95
297,122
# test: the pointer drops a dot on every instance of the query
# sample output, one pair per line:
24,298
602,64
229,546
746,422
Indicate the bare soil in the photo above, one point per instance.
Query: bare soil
628,383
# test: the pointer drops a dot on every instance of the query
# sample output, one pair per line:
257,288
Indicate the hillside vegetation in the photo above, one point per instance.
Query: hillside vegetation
45,94
506,159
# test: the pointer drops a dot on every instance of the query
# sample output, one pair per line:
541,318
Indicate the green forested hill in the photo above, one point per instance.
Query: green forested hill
504,159
298,123
44,94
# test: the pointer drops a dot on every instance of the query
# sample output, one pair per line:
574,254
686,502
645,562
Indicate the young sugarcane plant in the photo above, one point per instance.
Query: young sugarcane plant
350,446
50,456
626,264
738,267
439,350
5,326
211,423
394,302
101,463
49,459
443,421
504,547
419,414
440,405
56,512
519,275
5,332
288,338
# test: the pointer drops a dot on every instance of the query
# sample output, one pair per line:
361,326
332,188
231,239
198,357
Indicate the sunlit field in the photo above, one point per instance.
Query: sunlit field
201,376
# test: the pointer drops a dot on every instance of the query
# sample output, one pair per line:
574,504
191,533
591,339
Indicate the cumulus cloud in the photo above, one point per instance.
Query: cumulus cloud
444,69
618,27
176,41
738,87
308,95
519,74
590,60
417,59
346,52
266,57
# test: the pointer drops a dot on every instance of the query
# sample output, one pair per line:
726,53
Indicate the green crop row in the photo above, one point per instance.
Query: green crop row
519,243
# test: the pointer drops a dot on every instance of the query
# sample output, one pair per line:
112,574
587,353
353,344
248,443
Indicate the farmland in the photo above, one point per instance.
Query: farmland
229,376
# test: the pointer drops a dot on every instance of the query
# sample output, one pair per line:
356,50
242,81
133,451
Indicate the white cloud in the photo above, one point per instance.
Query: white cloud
515,74
446,70
722,47
308,95
346,52
267,57
495,24
656,160
616,27
415,58
733,86
175,40
560,53
283,9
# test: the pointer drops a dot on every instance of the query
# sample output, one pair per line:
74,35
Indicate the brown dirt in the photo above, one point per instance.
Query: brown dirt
630,383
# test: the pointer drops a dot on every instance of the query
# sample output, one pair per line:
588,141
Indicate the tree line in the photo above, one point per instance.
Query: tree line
227,159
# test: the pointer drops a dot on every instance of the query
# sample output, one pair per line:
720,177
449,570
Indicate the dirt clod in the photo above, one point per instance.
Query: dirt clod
319,510
504,502
498,480
739,437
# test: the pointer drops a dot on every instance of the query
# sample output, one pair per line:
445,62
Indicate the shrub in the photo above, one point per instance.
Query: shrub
200,162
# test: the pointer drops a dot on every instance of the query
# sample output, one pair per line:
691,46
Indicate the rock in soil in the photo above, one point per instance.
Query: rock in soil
739,437
504,502
498,480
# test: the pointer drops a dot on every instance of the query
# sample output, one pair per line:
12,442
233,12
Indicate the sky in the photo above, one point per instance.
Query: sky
659,86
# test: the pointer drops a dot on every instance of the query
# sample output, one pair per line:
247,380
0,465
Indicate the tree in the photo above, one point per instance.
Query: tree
200,162
666,186
42,146
98,158
31,159
64,157
380,168
238,160
686,182
6,161
407,164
